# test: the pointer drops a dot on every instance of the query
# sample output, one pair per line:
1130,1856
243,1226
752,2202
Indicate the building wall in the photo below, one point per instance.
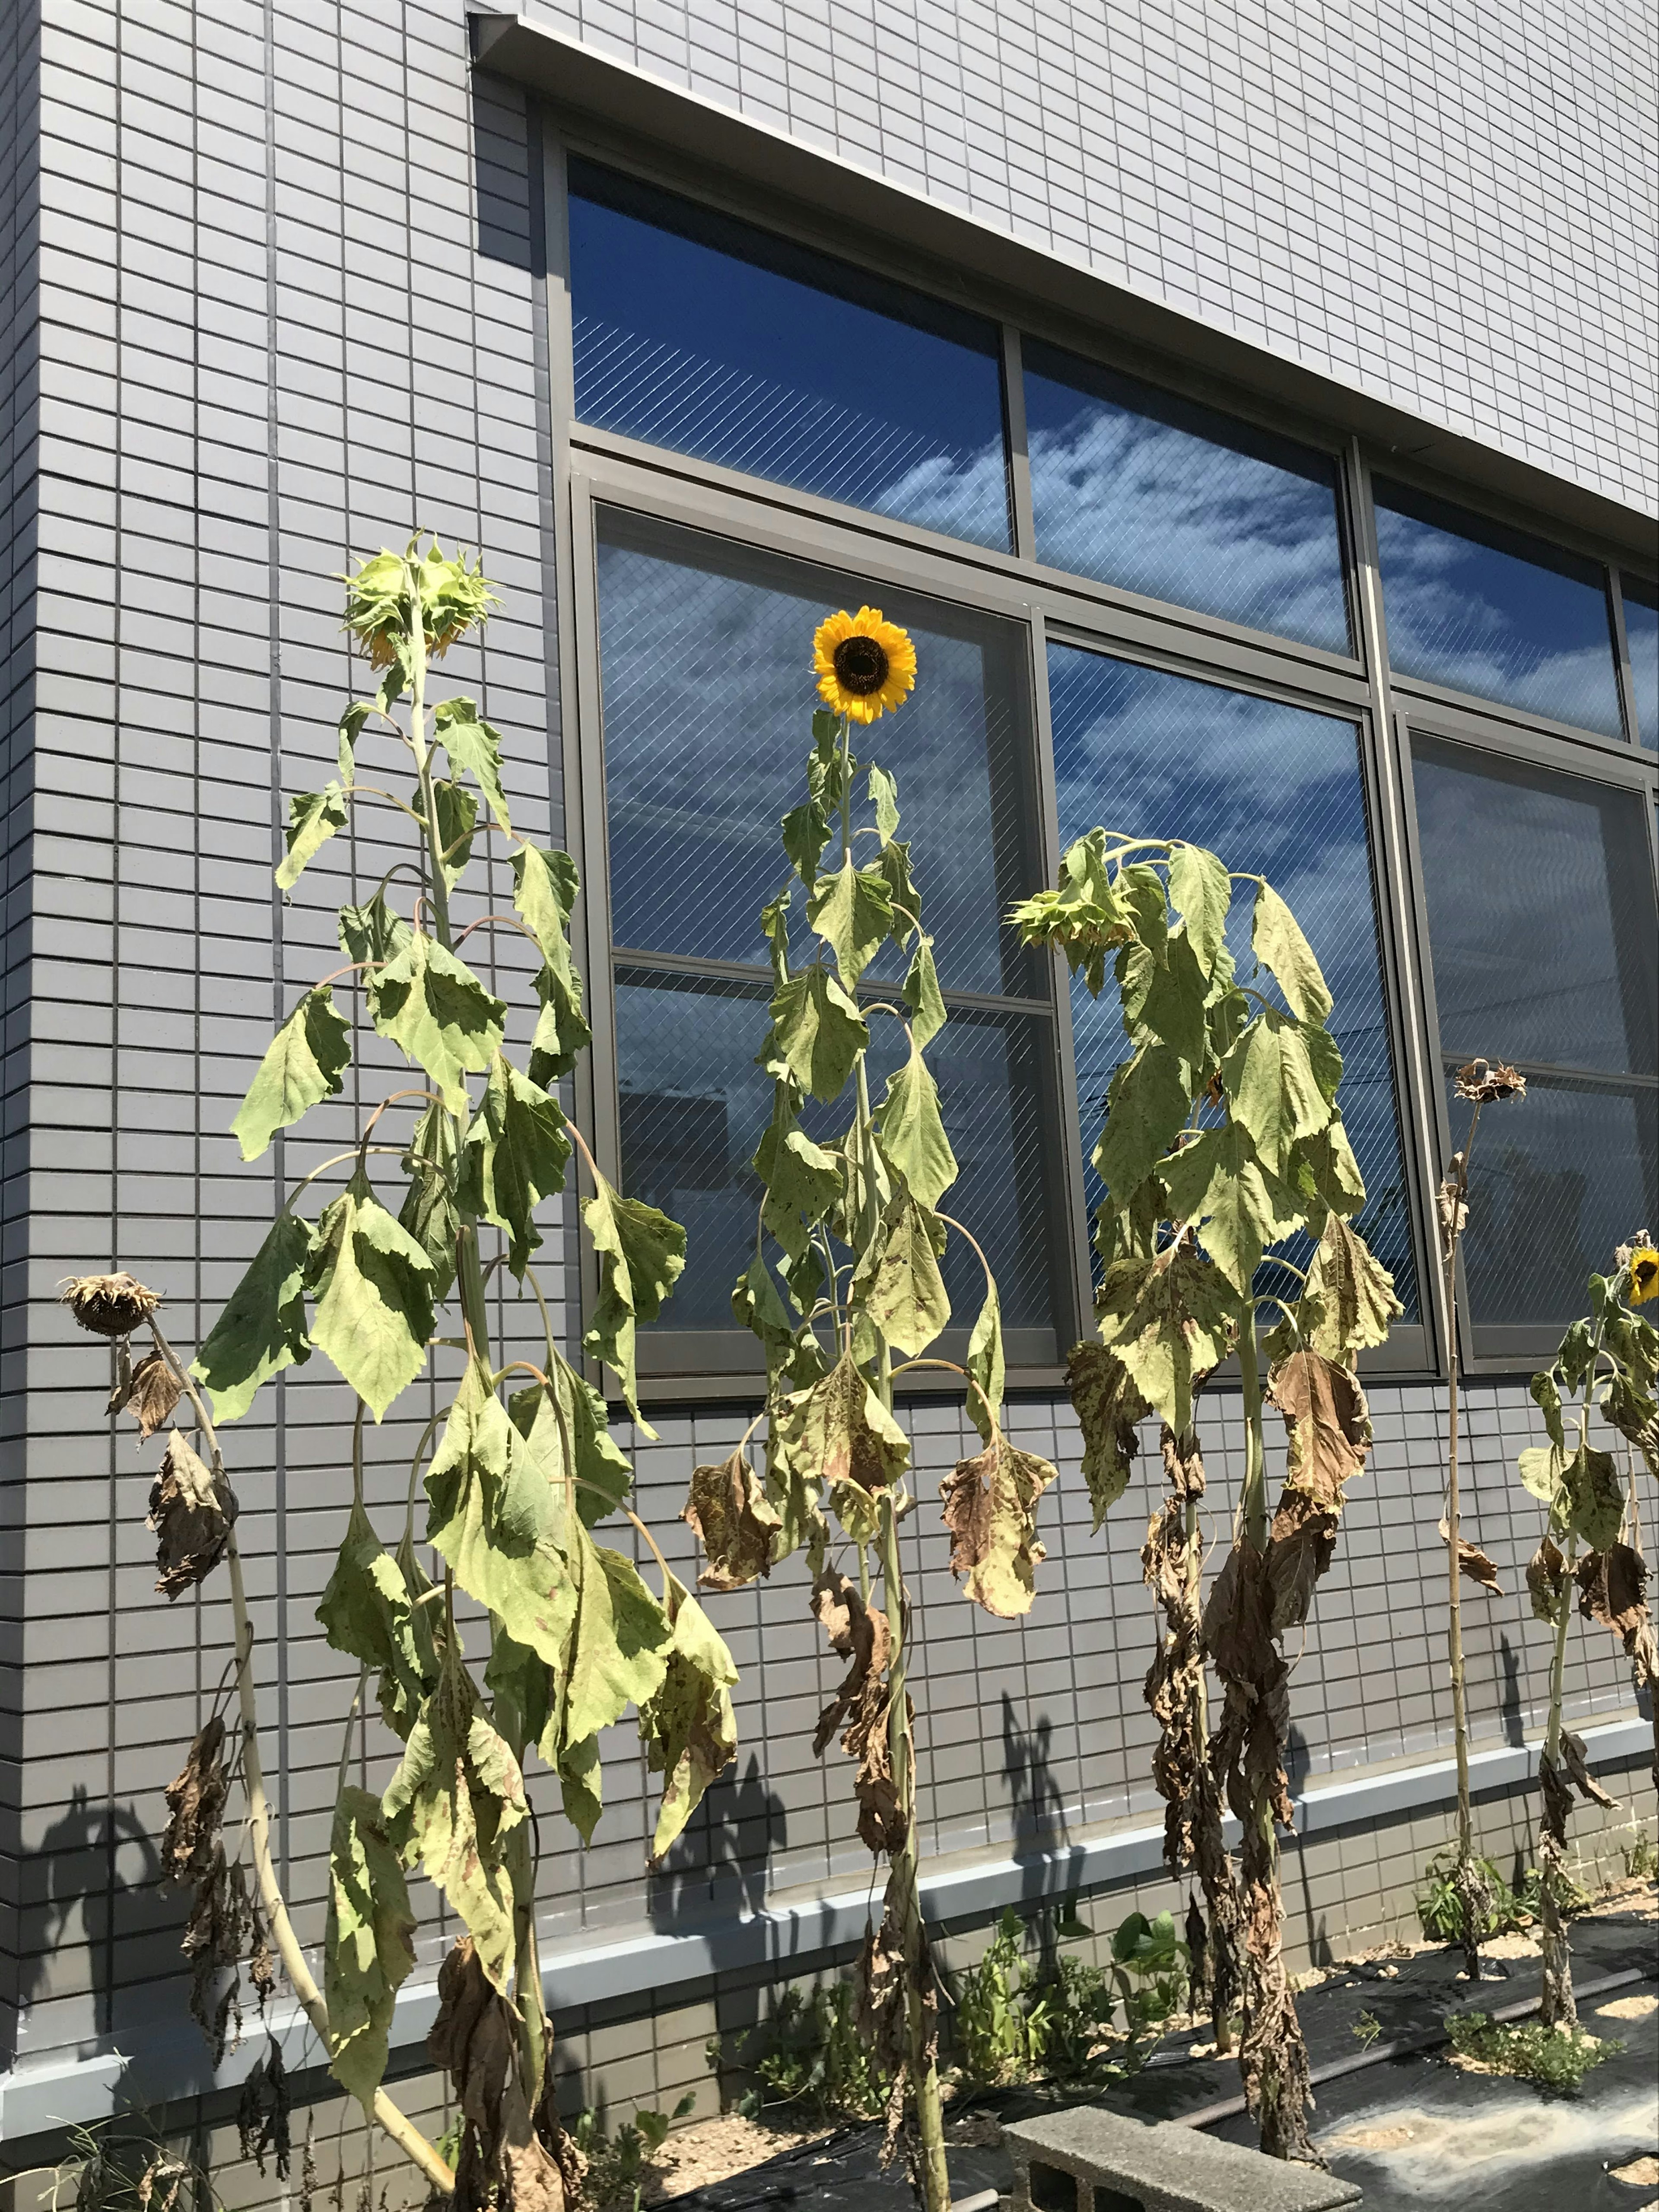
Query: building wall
289,309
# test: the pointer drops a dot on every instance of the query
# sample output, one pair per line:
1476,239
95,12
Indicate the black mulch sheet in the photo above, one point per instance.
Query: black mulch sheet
1411,2130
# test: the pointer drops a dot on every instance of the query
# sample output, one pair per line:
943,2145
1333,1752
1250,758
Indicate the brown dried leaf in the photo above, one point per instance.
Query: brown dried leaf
1557,1801
195,1807
1183,1462
863,1704
192,1510
1613,1589
262,2113
1575,1756
1453,1212
148,1392
504,2164
108,1305
1107,1407
990,1509
728,1511
1300,1547
1328,1423
884,1983
1473,1561
1546,1580
1482,1081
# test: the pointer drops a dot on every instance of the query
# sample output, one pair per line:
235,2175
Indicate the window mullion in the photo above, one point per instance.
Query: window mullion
1019,457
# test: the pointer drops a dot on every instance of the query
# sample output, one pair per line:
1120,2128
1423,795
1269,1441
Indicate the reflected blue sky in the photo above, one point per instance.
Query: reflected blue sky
1642,636
1273,789
699,332
1140,488
1486,609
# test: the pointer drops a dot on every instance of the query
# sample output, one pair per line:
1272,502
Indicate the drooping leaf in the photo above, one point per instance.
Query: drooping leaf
1108,1409
922,993
514,1156
429,1212
805,834
371,1284
803,1181
149,1391
1350,1301
434,1007
1324,1171
617,1655
1547,1399
367,1943
545,886
261,1328
1547,1580
367,1610
1595,1497
851,910
729,1513
912,1131
1202,891
1149,1102
1083,914
840,1430
573,1420
349,730
817,1033
313,818
373,932
1613,1589
688,1726
1167,1000
1168,1321
454,1800
1473,1561
985,1364
641,1253
474,748
990,1509
1218,1186
1325,1058
1541,1467
1140,887
905,1293
192,1510
457,812
1279,945
1271,1084
1328,1424
884,796
893,864
305,1063
509,2153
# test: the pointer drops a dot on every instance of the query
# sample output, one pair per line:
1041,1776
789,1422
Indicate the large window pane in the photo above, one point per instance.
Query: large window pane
1140,488
706,653
1485,609
1642,636
1541,926
699,332
1275,790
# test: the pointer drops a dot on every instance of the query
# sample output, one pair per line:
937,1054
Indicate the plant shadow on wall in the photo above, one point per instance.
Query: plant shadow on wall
720,1864
518,1465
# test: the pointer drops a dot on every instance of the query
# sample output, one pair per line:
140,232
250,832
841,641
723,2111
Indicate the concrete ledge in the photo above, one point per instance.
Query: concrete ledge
791,1933
1158,2164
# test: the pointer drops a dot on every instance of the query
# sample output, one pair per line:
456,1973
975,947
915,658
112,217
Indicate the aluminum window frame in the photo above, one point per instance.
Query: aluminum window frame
592,467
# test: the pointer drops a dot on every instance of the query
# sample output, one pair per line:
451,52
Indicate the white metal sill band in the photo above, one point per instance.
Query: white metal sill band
171,2063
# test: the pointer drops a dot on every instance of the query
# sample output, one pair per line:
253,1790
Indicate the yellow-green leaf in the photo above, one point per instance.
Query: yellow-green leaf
1352,1292
304,1064
817,1033
912,1131
1149,1102
434,1008
688,1726
1168,1320
1200,891
1273,1090
985,1364
261,1329
367,1943
372,1287
904,1292
368,1611
616,1656
641,1255
313,818
514,1156
1279,944
1109,1407
838,1428
472,745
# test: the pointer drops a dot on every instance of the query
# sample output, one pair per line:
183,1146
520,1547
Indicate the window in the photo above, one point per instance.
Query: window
1485,609
1540,894
1642,637
1138,488
1158,754
699,332
703,651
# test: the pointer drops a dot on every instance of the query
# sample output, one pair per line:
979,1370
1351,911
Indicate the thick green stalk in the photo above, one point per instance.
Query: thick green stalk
1253,1503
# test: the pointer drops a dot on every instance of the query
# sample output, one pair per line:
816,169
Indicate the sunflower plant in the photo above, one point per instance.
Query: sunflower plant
380,1258
1608,1362
1223,1139
846,1293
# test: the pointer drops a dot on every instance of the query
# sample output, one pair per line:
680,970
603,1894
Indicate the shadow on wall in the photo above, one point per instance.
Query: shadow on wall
720,1862
1042,1838
503,148
76,1877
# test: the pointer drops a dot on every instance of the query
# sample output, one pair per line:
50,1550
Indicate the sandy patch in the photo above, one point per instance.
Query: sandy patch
1640,2173
713,2150
1634,2007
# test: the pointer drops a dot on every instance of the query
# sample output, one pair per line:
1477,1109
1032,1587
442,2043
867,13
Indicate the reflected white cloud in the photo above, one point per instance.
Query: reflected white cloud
1642,634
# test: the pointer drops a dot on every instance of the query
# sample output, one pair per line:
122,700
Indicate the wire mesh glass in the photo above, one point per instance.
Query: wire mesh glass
1481,608
1275,790
706,661
699,332
1140,488
1642,636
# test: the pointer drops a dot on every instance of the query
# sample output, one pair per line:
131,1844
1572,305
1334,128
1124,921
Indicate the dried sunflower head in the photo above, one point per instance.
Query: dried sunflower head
108,1305
1482,1081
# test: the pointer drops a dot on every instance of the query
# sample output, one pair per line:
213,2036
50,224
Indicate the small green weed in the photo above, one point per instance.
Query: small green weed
1641,1859
1555,2058
814,2055
619,2165
1366,2029
121,2165
1508,1909
1013,2023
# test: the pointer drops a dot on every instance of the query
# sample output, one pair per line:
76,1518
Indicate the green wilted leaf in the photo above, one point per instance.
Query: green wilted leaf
453,1801
1140,887
373,932
1324,1171
1147,1105
805,834
1325,1058
1167,1001
1108,1409
1352,1291
513,1156
1541,1467
1202,891
617,1655
473,747
904,1290
602,1474
1328,1424
985,1363
990,1509
1279,945
883,797
852,911
457,812
304,1064
372,1287
817,1033
922,993
687,1726
313,818
1083,914
367,1943
1217,1185
261,1328
912,1131
802,1180
1168,1320
432,1006
728,1511
839,1430
1595,1497
494,1516
428,1211
368,1610
545,886
1270,1084
641,1253
1547,1399
351,729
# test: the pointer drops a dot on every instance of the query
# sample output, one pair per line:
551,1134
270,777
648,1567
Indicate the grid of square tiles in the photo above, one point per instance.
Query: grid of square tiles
1450,207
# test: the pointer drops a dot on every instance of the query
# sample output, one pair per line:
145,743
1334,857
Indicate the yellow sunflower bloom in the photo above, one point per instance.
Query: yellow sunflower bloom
1644,1274
865,666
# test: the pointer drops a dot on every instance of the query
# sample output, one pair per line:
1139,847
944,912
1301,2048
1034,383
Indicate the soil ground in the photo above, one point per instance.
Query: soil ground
1419,2130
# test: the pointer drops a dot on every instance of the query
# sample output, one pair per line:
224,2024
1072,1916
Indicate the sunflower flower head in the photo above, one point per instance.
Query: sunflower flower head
1643,1264
454,596
865,666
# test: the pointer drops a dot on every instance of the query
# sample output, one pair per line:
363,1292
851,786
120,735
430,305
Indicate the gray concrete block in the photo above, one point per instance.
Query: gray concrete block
1090,2161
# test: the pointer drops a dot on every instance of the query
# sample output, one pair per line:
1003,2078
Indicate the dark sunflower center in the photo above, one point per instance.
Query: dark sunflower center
860,665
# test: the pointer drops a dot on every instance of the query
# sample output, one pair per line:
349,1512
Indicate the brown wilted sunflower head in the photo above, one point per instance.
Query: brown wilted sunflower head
1482,1081
108,1305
